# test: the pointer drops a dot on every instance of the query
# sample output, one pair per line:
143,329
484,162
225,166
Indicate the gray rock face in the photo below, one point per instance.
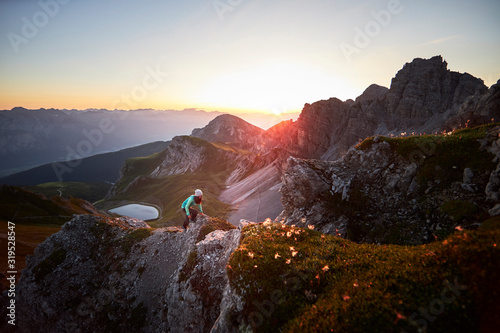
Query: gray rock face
100,275
181,156
480,108
188,154
375,194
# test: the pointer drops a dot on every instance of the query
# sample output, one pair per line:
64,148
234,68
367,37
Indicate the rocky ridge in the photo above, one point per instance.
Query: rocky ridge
100,274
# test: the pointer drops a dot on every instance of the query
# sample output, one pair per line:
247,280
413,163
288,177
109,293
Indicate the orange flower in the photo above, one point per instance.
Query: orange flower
276,256
288,261
398,317
310,226
250,254
346,297
326,268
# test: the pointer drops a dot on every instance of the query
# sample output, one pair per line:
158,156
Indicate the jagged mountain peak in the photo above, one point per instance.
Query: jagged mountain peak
425,87
228,129
372,92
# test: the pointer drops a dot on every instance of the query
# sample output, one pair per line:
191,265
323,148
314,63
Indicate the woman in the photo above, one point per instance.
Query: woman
191,213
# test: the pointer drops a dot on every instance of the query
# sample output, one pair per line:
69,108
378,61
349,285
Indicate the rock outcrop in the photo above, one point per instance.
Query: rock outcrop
397,190
112,275
187,154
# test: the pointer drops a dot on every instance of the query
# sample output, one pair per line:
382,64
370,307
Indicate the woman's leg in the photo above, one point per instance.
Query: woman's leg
193,213
186,222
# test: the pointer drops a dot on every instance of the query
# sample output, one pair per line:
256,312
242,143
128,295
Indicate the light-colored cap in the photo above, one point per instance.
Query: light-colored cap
198,193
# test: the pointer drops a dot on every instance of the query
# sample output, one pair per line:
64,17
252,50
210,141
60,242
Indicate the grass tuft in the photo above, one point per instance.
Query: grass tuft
214,224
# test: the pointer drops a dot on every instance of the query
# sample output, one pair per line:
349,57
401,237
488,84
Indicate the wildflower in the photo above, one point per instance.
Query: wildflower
310,226
289,234
292,248
288,261
303,220
459,228
276,256
355,284
398,317
294,253
326,268
346,297
250,254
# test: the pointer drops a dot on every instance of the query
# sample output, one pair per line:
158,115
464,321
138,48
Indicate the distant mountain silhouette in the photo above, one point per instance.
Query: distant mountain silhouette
99,168
30,138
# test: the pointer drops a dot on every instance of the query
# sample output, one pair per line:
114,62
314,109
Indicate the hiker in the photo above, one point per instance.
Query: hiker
190,212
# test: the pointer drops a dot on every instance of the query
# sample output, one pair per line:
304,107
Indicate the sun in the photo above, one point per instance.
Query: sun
272,87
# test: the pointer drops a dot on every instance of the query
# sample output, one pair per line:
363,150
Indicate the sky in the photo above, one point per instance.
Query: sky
230,55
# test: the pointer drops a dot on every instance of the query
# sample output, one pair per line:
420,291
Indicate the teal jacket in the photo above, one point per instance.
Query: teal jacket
188,203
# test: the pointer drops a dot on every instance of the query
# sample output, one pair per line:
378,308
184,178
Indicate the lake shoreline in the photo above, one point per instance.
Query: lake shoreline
124,203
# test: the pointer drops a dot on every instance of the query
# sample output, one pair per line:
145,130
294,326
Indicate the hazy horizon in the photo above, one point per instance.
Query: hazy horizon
238,57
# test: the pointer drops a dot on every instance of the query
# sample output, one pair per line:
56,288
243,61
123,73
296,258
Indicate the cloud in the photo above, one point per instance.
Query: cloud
438,41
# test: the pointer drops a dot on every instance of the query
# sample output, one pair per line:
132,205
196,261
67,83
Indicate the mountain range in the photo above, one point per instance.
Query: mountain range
425,97
29,138
343,186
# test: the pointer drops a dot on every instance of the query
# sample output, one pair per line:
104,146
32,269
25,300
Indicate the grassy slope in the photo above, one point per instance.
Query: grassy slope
27,239
91,192
25,207
335,284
